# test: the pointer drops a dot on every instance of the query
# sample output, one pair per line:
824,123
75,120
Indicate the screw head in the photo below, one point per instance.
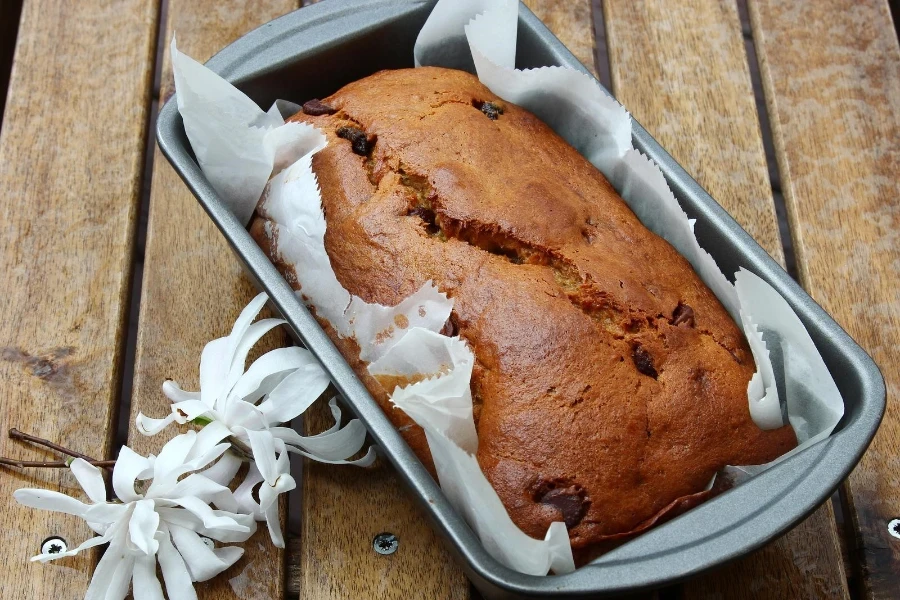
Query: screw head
385,543
894,528
54,545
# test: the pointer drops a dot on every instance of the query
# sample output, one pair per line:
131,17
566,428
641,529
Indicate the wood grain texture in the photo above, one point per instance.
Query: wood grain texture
681,69
570,21
832,81
193,286
71,153
343,510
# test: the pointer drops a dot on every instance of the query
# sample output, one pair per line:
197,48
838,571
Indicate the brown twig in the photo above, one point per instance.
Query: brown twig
52,464
18,435
241,449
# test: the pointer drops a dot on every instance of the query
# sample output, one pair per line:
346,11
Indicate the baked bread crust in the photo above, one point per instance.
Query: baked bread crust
609,383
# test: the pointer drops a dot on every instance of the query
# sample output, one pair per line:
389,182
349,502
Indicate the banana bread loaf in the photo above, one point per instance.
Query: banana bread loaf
609,383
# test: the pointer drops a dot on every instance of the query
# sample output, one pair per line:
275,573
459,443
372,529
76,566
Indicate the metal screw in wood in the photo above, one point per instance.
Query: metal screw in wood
385,543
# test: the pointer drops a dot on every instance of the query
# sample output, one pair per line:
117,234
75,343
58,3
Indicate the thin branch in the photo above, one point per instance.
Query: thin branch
18,435
51,464
241,449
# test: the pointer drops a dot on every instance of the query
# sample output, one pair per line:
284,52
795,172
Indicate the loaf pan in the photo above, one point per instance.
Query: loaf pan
313,52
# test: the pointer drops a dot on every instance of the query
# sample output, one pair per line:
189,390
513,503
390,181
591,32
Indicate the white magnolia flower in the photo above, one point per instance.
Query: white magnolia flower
250,406
162,512
273,478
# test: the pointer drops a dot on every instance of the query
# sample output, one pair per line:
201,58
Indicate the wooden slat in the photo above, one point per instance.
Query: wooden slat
71,153
193,286
343,510
570,21
681,69
831,72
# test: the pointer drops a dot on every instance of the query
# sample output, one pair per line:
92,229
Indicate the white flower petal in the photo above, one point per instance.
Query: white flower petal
104,515
50,500
229,554
146,585
142,526
273,522
214,365
207,439
262,443
336,445
242,323
247,341
89,543
150,426
173,392
244,493
212,520
173,455
121,580
295,394
270,490
224,470
180,517
335,414
162,487
188,520
202,562
188,410
129,466
240,414
365,461
268,371
198,486
332,446
112,575
90,479
268,494
175,573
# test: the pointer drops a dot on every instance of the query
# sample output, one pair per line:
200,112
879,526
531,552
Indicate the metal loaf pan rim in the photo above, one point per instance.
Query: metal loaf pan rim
723,529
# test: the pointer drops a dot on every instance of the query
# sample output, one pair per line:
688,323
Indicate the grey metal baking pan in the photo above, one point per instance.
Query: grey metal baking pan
313,52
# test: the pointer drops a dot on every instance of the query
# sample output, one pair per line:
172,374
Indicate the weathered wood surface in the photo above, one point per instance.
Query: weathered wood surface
572,23
681,69
71,153
831,72
193,286
343,510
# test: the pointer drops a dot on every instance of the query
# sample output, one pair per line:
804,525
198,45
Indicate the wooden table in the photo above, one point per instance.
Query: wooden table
79,169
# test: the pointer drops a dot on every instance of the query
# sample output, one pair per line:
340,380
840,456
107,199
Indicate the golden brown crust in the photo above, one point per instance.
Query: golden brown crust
609,381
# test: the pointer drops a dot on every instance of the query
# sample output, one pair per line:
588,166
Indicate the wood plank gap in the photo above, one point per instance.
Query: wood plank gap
787,242
160,51
895,14
10,13
601,49
126,385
